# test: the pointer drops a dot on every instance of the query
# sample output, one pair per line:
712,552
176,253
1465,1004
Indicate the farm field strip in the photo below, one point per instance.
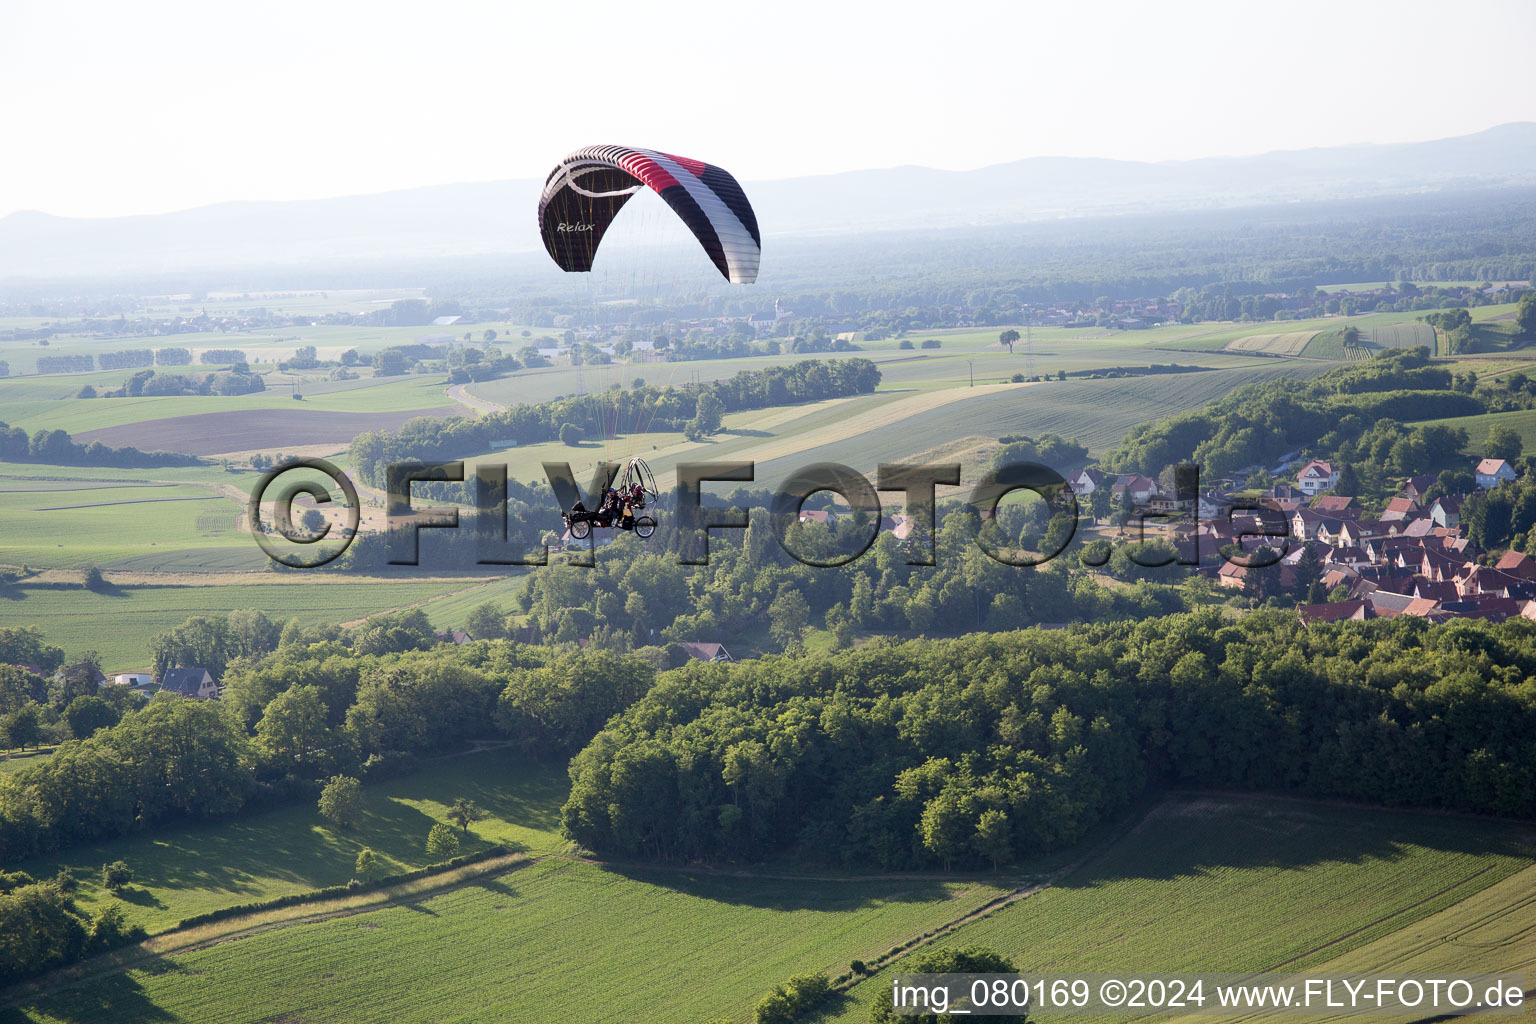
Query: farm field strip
635,935
1490,931
1290,344
120,623
1285,884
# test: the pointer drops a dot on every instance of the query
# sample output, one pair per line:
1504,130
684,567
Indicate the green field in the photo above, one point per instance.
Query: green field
1201,883
1521,421
449,612
78,415
119,624
557,940
1256,884
191,869
45,525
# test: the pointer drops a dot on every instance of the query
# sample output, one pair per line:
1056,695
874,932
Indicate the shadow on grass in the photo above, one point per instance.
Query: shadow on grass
830,895
247,858
118,998
1195,834
139,897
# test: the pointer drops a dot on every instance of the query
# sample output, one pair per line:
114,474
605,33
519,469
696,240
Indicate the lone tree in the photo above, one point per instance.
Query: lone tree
464,812
571,434
1525,316
367,864
1008,337
1503,443
313,521
116,876
442,844
341,802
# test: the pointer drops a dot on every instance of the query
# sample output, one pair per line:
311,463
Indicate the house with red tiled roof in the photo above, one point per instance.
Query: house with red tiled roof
1316,476
1517,563
1492,472
1335,611
1399,509
1337,506
1140,488
1426,608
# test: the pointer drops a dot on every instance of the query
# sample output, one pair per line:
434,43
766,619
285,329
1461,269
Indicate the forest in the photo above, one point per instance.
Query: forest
994,746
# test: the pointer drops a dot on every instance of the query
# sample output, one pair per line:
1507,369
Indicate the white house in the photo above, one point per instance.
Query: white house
1317,476
1492,472
189,682
706,651
1086,481
132,679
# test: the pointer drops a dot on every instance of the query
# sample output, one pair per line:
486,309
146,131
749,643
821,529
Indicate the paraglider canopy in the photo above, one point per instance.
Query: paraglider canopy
587,190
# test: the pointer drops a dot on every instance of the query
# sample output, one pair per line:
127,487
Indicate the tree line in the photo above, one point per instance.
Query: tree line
619,411
365,702
55,448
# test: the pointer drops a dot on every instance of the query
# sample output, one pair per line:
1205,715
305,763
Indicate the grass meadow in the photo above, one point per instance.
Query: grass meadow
120,622
190,869
1200,883
1262,884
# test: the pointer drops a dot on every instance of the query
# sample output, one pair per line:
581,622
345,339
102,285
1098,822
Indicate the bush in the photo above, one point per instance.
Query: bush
571,434
442,843
367,864
788,1002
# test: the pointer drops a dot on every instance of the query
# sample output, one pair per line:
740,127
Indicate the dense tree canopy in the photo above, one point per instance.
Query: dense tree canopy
999,745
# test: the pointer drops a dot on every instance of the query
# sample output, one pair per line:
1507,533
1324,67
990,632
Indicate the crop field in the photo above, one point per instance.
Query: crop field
1097,412
120,622
1259,884
1290,344
193,868
106,524
1407,335
449,612
507,949
1521,421
81,415
212,433
1330,345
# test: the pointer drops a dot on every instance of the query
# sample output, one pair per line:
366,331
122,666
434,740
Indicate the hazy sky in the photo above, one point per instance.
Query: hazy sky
113,108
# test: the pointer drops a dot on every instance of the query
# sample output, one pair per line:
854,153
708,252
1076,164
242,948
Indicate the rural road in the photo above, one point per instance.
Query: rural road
458,394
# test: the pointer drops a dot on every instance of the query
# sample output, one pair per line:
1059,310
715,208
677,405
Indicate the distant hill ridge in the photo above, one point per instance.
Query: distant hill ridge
497,216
